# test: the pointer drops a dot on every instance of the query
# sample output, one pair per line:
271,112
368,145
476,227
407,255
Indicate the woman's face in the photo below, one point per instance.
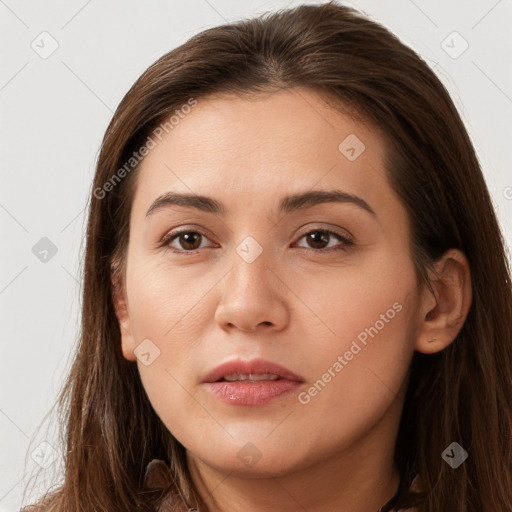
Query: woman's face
256,280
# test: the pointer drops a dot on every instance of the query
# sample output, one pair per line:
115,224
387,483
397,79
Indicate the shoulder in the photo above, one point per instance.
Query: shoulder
158,476
49,502
415,487
48,505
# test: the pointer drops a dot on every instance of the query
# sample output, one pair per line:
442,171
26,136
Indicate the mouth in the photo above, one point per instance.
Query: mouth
249,377
255,382
256,370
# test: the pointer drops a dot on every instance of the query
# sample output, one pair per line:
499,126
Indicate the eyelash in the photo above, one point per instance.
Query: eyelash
175,234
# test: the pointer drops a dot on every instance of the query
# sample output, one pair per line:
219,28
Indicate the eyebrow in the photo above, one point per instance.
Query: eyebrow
287,204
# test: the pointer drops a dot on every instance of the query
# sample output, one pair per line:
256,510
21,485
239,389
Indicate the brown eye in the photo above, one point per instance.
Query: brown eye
187,241
319,239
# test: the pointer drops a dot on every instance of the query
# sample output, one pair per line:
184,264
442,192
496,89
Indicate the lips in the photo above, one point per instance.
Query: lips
252,383
247,369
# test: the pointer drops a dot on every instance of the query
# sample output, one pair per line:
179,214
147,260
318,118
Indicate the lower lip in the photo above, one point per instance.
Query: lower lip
252,393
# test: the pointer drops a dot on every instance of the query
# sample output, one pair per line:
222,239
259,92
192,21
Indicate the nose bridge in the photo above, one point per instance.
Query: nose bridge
250,294
249,277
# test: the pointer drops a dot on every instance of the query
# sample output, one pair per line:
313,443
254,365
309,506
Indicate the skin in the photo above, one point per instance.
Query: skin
291,305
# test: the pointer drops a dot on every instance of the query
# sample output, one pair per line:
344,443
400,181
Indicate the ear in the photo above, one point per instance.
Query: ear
444,314
121,308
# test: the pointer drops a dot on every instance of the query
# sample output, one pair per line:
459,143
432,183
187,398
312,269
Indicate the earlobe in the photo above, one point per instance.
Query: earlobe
443,313
123,318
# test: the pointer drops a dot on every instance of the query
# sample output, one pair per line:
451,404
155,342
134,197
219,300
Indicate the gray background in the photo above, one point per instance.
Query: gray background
55,109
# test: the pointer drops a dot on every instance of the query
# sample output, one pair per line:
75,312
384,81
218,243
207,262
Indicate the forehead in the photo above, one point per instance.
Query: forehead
251,148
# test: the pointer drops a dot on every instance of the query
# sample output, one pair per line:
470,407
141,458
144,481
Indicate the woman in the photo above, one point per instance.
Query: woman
296,292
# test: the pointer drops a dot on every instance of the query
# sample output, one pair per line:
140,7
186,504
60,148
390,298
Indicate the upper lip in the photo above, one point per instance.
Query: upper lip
254,367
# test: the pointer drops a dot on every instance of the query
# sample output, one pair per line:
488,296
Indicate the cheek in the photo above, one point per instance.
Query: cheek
167,304
168,309
362,301
361,358
354,384
172,397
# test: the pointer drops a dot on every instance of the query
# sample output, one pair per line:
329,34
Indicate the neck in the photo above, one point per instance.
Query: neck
359,480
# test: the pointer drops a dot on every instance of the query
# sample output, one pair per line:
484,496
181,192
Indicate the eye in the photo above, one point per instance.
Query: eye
319,240
189,240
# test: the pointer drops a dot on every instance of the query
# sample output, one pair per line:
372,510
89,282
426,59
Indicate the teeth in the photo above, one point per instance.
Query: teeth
251,377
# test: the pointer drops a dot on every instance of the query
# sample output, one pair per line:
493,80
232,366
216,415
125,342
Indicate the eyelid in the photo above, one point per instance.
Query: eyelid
335,230
174,233
345,242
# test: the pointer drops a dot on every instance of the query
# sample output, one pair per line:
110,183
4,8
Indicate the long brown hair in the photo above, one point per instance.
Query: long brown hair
461,394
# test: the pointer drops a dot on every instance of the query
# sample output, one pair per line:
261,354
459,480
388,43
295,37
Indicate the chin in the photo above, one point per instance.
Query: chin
257,469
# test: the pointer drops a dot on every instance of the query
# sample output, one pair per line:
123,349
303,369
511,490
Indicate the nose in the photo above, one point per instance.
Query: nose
252,297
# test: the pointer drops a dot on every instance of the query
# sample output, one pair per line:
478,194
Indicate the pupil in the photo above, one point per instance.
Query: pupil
188,237
318,237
